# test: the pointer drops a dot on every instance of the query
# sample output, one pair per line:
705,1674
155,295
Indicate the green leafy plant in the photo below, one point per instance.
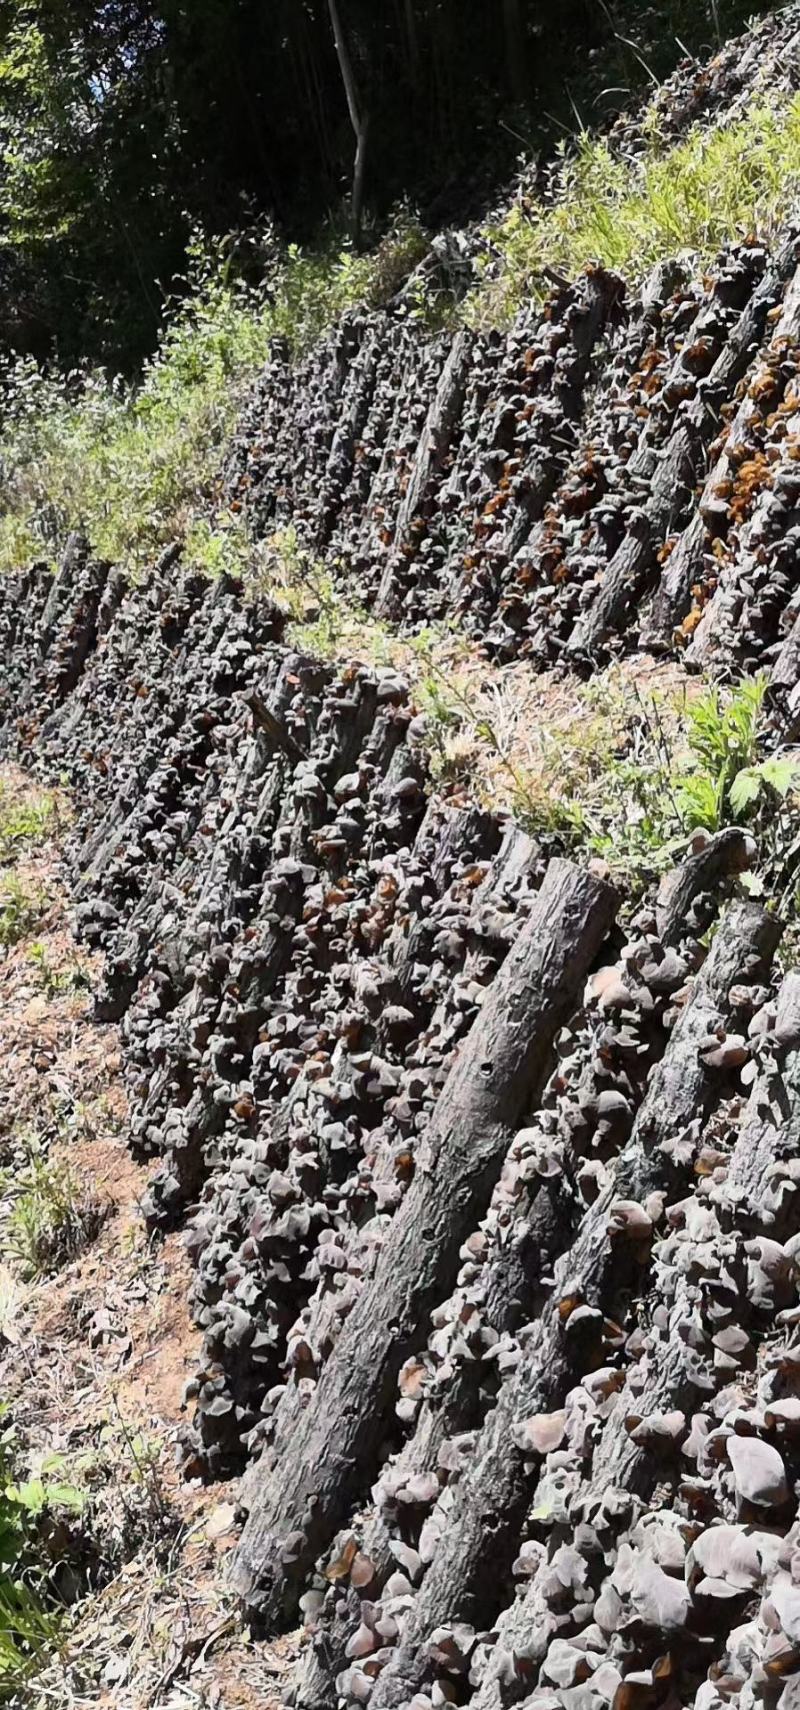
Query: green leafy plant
20,909
722,737
29,1621
322,620
49,1217
54,981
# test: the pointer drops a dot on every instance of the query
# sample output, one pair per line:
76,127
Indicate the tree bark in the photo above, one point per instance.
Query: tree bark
470,1568
315,1477
359,118
674,481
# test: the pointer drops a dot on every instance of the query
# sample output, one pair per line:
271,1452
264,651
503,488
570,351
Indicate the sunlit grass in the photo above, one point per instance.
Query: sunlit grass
732,180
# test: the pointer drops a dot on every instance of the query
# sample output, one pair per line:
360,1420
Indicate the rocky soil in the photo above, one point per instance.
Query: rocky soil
488,1182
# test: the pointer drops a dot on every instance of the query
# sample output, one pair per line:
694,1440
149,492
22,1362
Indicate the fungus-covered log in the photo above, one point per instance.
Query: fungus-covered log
434,444
513,1283
724,855
303,1492
784,685
760,1185
672,597
472,1562
677,471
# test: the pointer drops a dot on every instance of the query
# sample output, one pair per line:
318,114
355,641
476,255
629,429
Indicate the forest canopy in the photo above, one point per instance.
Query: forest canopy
124,125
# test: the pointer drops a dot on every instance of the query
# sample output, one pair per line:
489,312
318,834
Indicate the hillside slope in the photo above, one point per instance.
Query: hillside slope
485,1153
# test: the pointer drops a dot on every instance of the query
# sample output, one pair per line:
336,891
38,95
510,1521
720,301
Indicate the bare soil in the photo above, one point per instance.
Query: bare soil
94,1358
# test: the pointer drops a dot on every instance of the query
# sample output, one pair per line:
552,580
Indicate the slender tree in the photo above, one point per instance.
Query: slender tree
359,119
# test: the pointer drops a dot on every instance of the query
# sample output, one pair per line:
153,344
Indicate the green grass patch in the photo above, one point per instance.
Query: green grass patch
137,467
721,182
27,817
21,909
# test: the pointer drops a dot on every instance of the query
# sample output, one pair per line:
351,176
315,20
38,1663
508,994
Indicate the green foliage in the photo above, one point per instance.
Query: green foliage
122,124
720,182
20,909
49,1219
28,1627
25,820
703,775
137,468
722,736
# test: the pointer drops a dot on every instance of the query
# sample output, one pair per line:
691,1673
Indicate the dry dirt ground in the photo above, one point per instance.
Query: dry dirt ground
94,1353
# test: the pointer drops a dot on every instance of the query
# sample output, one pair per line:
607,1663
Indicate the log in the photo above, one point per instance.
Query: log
512,1289
675,477
764,1197
303,1494
784,686
274,727
673,484
433,447
726,853
672,597
470,1570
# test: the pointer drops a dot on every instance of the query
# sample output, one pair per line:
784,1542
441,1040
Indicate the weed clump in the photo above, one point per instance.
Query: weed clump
29,1618
721,182
48,1218
136,467
27,818
21,908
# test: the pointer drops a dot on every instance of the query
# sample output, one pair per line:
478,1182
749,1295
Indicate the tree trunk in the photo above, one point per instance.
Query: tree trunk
359,118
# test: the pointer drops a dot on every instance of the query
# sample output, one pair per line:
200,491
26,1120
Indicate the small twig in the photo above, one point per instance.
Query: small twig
272,726
146,1471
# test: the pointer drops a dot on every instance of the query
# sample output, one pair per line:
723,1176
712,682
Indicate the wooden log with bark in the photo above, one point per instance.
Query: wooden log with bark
672,597
726,853
471,1566
676,474
306,1489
